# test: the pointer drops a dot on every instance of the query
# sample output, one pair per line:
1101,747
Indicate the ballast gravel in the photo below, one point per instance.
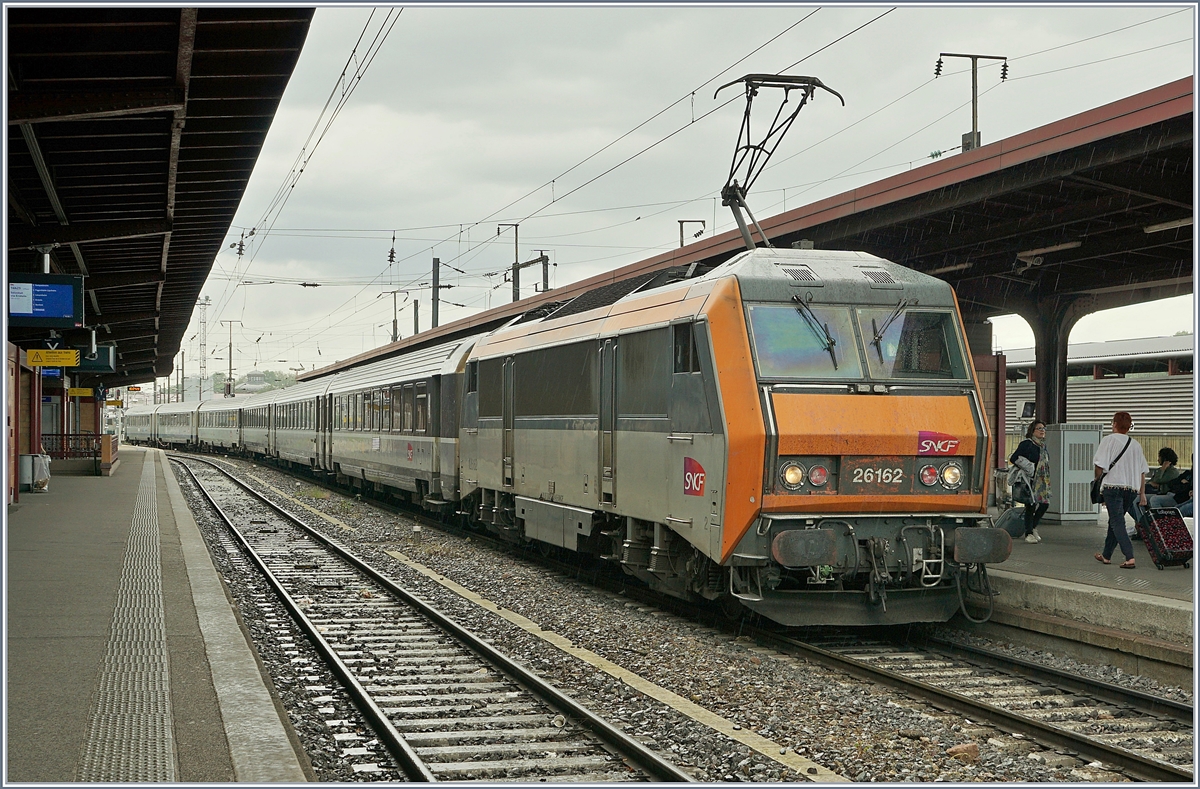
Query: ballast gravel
861,731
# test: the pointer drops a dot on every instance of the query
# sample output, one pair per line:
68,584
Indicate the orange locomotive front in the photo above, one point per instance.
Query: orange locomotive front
855,485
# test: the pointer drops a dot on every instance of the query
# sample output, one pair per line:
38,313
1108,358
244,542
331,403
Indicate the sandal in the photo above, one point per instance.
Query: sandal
1100,558
1128,564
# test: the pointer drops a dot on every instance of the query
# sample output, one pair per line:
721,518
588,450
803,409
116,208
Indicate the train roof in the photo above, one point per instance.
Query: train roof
832,276
290,394
175,408
767,274
437,360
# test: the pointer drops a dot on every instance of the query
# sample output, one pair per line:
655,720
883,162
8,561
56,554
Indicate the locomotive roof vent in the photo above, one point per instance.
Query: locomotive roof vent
802,274
880,278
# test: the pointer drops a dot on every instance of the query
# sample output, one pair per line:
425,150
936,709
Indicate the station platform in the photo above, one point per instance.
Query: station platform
1055,594
125,661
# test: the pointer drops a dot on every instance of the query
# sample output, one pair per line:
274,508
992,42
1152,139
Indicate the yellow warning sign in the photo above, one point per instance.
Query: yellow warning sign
117,403
46,358
79,391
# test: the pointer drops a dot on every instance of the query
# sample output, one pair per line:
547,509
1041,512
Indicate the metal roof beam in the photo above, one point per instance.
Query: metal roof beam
108,281
27,238
25,108
39,164
1125,190
130,317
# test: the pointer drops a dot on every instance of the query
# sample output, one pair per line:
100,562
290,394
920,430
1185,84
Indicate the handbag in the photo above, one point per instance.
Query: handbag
1021,492
1098,482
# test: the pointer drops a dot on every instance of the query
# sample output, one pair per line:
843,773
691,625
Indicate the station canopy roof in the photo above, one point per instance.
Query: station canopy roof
1089,212
132,133
1141,355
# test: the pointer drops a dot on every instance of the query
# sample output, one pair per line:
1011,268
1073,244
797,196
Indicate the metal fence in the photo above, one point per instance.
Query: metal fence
74,446
1151,443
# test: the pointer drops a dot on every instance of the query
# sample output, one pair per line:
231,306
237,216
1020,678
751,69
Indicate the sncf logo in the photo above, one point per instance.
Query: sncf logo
693,478
931,443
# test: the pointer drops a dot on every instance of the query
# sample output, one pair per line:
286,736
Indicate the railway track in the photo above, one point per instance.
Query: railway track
1116,729
1141,736
445,704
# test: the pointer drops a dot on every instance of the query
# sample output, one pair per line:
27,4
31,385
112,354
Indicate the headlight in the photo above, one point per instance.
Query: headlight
792,475
951,476
818,475
929,476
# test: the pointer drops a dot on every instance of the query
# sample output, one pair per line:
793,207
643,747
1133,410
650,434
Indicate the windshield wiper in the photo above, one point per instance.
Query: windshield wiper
878,339
814,323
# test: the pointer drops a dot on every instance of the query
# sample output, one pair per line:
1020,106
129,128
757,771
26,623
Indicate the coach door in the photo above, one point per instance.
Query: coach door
507,460
608,457
324,425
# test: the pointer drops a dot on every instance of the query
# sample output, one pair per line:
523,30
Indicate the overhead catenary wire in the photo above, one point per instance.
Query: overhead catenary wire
844,172
286,191
276,205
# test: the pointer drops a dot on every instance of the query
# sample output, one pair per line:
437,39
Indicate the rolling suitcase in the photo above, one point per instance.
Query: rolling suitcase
1012,520
1165,536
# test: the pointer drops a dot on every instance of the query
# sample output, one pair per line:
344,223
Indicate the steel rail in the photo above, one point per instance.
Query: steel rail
1127,762
410,763
633,751
1145,703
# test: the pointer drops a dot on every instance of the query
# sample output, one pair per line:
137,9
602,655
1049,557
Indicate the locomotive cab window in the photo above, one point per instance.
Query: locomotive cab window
912,344
804,341
687,360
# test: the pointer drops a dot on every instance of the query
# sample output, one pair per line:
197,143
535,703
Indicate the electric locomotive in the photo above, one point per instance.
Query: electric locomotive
797,431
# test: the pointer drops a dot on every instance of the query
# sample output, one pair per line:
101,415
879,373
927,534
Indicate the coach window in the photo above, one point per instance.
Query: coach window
369,406
422,409
385,410
397,416
408,409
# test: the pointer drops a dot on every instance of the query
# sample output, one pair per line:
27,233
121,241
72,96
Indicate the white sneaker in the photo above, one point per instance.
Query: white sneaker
1031,538
1037,537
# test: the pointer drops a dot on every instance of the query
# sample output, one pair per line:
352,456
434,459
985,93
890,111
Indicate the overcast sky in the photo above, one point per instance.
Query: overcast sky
469,118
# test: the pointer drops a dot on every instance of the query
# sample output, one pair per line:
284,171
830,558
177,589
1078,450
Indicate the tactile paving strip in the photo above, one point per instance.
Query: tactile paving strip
130,734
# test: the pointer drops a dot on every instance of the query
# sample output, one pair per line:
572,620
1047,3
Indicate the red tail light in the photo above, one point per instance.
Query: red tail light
929,475
818,475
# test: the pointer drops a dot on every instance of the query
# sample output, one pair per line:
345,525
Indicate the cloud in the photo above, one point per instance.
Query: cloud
468,109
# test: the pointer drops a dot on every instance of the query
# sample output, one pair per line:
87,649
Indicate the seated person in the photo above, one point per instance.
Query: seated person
1179,494
1167,470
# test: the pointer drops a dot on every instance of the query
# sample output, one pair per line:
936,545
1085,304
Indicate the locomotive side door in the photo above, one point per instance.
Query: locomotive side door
608,457
507,460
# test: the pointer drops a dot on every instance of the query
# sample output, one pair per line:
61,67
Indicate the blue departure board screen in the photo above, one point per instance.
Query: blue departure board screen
52,300
31,300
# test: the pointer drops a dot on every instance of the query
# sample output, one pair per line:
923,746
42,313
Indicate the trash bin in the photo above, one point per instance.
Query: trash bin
24,472
41,473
